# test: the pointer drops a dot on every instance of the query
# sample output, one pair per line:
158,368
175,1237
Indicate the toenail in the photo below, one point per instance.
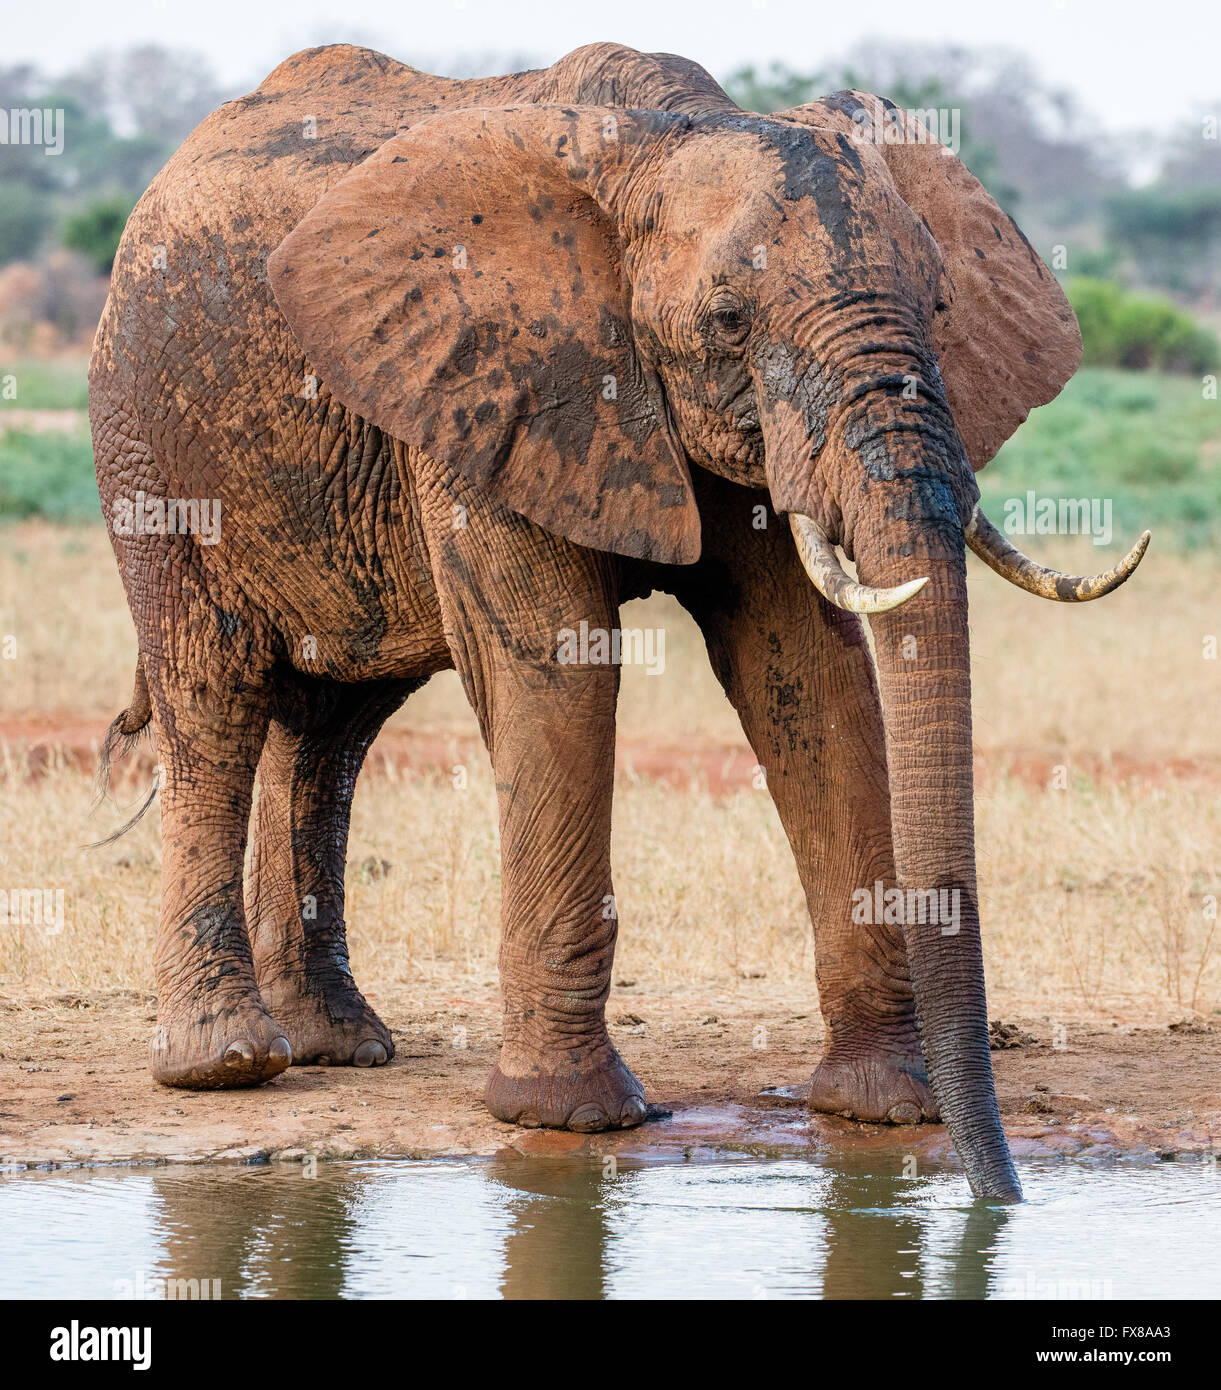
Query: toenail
323,1061
529,1120
905,1113
280,1051
633,1112
369,1054
239,1054
588,1119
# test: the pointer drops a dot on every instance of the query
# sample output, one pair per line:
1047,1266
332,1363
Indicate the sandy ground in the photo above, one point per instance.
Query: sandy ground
74,1089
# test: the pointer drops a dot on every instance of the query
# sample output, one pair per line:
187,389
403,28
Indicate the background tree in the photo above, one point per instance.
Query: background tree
96,230
25,216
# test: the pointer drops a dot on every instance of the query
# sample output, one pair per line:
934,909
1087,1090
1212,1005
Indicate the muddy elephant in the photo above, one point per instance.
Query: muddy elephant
457,366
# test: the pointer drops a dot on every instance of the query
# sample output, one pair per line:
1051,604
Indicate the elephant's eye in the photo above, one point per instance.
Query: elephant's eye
730,322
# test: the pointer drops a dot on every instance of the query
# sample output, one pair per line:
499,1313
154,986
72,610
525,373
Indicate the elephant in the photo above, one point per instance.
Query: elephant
462,365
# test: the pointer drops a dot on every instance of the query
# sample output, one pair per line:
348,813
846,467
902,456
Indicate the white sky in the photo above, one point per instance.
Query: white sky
1133,64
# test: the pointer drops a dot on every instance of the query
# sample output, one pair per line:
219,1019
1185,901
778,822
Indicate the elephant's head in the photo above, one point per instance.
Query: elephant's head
571,305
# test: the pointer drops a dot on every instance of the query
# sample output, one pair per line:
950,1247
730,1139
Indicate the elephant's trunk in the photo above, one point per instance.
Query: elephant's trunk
904,520
924,674
854,456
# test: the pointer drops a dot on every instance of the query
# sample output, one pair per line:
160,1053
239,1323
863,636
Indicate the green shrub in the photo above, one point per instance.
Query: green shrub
95,232
45,385
1120,329
48,475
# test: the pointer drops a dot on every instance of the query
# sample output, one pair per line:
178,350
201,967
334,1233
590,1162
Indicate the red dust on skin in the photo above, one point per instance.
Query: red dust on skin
509,301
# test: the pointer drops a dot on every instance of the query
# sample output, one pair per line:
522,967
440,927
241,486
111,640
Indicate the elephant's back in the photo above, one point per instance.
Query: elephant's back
275,152
190,276
189,289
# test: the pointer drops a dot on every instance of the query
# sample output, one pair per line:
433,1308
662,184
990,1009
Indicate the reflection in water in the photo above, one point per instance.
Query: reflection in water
875,1242
577,1227
873,1249
976,1251
260,1237
556,1246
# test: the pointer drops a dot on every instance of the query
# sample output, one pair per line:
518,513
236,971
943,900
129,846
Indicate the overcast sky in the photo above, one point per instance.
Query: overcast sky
1132,63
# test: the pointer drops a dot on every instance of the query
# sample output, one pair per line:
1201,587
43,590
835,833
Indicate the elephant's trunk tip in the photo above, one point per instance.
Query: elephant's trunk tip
1002,1186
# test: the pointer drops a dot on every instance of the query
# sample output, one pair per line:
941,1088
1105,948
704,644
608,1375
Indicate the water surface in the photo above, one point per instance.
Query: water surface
514,1227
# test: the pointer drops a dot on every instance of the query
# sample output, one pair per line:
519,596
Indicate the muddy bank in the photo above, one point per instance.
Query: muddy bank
74,1090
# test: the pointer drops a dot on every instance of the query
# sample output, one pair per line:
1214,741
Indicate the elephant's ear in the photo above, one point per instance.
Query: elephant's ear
1005,335
462,289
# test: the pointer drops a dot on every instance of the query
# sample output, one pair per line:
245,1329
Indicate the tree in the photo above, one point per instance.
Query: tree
157,93
1173,238
1192,157
25,215
778,87
25,164
95,232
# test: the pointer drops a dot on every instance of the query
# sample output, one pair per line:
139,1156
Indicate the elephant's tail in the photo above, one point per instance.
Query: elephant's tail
122,736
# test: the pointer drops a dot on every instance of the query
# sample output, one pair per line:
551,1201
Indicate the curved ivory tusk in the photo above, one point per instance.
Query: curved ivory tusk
1009,562
828,576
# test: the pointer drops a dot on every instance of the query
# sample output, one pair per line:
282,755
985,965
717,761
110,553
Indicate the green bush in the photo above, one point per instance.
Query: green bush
47,475
1120,329
25,215
95,232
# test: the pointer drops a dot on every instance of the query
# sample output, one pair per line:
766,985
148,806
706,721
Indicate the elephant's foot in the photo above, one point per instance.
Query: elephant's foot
882,1086
208,1044
581,1091
335,1028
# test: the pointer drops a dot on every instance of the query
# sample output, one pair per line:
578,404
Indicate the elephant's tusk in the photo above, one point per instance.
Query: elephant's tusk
829,578
1009,562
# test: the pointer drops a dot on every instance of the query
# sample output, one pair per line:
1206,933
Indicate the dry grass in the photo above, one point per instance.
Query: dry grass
1126,675
1094,896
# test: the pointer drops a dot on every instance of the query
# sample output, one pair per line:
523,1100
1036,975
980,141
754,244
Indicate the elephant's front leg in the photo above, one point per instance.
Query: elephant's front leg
553,751
515,599
799,674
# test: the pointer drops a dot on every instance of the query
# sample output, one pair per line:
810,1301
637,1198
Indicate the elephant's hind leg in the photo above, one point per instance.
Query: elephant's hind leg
213,1030
295,889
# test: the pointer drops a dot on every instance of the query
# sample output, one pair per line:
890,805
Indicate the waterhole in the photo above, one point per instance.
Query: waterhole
578,1227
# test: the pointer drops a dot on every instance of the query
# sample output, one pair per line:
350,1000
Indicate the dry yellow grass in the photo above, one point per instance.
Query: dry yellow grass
1094,896
1126,675
1094,900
